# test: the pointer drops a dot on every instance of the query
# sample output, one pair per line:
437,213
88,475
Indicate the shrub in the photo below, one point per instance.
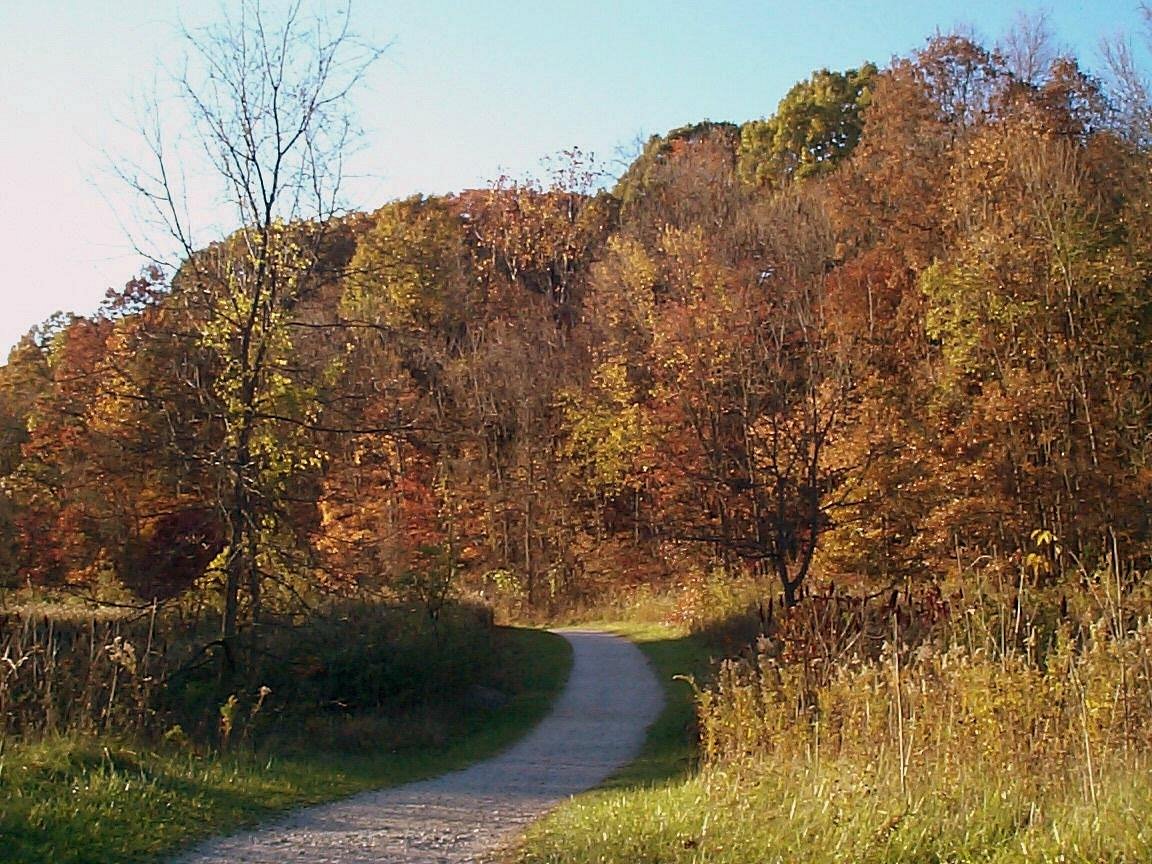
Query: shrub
148,673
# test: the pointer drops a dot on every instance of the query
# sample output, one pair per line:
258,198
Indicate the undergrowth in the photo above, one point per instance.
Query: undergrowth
160,672
99,797
932,728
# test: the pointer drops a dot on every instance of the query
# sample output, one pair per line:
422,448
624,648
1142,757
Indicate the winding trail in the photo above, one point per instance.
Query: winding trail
597,726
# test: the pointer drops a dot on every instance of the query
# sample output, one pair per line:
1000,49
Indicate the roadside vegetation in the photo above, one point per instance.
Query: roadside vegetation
854,398
356,699
889,732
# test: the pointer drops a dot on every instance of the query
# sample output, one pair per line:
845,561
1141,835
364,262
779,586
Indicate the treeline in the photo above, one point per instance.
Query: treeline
894,336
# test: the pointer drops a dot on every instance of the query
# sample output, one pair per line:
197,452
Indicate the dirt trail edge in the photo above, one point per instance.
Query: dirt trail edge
597,726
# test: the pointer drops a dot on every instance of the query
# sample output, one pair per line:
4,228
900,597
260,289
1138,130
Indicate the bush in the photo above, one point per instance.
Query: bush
154,673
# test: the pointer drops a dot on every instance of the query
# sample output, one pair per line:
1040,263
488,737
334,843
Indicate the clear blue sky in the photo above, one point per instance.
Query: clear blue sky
466,90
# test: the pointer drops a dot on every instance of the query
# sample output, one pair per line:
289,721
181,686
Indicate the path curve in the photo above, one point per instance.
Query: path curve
596,726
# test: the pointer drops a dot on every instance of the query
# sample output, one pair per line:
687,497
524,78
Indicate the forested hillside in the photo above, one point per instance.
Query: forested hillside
859,392
894,336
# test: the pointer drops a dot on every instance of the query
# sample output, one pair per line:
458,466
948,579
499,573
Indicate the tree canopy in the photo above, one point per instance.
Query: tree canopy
899,327
816,125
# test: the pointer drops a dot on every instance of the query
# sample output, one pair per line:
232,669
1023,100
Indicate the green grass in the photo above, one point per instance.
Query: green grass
796,814
75,800
670,749
792,808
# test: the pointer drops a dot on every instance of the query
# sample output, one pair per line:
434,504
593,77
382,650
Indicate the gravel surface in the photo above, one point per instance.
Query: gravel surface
597,726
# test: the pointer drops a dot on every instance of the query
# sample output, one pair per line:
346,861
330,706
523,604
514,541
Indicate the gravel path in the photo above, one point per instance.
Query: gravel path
597,726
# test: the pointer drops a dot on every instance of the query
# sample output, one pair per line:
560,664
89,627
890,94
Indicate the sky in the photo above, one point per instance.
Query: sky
465,91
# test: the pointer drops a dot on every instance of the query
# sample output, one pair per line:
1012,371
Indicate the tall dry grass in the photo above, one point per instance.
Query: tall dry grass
912,691
64,670
347,671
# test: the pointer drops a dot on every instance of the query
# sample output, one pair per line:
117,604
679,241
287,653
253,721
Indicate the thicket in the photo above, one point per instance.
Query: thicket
353,675
998,723
913,694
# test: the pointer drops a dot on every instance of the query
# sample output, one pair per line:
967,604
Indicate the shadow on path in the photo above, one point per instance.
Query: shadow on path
597,726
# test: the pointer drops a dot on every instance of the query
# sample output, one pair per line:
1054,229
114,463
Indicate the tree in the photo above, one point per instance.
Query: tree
268,106
1036,314
817,124
680,179
541,238
751,391
919,113
23,380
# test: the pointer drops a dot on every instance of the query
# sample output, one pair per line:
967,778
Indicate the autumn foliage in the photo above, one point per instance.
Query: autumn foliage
885,352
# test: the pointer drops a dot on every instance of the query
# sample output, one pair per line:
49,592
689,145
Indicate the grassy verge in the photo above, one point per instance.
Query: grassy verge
929,757
832,816
580,831
74,800
670,749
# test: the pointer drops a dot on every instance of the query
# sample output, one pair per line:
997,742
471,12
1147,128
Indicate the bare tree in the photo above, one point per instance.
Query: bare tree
266,108
1028,48
1131,94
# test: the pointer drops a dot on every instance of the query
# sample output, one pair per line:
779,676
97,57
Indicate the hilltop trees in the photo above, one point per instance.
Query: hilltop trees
817,124
897,328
